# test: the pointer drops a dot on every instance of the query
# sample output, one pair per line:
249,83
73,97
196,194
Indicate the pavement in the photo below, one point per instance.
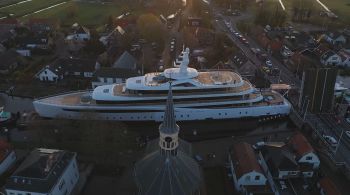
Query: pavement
16,104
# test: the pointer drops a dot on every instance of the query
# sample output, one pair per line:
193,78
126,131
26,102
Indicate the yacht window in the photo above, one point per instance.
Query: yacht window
138,81
106,91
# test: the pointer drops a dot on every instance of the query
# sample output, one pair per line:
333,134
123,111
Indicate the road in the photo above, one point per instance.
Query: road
286,76
322,124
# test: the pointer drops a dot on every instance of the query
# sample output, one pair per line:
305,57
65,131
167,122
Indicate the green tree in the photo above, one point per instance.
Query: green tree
150,27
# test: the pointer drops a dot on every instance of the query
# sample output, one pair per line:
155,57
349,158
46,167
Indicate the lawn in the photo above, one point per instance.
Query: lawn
340,8
8,2
89,14
28,7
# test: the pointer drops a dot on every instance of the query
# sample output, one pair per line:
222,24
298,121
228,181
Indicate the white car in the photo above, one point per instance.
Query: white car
330,140
348,120
347,133
258,145
268,63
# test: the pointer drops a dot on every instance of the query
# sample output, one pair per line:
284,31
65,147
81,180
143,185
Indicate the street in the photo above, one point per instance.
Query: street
286,76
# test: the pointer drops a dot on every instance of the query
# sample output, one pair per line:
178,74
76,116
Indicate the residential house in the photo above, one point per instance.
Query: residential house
327,56
281,162
194,21
31,43
60,68
271,41
9,61
126,61
345,58
45,171
331,58
79,34
51,73
7,157
303,151
8,24
107,76
327,187
42,25
248,176
112,37
335,38
297,41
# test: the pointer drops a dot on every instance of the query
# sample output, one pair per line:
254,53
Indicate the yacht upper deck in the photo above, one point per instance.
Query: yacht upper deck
218,78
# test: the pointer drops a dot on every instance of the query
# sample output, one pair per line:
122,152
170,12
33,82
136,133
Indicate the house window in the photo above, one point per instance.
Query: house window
257,177
309,158
105,80
45,72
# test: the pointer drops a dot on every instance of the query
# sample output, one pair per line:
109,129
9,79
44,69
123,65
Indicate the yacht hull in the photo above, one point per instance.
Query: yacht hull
155,113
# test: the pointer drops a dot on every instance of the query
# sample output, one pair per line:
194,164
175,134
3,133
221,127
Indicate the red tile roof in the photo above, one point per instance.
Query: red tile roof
5,150
9,21
321,49
300,145
244,159
328,187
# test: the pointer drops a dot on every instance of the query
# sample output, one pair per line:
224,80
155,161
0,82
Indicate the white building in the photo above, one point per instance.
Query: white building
246,170
7,157
304,151
345,57
80,34
75,67
335,38
331,58
45,171
50,73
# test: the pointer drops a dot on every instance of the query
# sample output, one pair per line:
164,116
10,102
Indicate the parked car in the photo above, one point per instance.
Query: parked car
198,158
330,140
268,63
258,145
348,120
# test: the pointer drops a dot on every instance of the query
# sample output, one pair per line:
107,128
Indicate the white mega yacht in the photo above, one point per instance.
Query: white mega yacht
209,95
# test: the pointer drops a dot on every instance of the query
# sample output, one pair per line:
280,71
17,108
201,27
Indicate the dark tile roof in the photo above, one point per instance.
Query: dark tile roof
279,158
328,54
115,73
77,64
63,65
40,171
38,39
126,61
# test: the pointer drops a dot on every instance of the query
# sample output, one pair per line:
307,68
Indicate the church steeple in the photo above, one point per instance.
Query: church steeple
169,130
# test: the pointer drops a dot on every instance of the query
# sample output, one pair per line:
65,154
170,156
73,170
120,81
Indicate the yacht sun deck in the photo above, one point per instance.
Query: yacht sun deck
119,90
210,78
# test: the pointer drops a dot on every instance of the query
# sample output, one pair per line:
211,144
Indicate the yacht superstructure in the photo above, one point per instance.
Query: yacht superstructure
197,95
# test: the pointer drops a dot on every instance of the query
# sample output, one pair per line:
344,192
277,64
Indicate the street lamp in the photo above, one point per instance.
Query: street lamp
341,135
